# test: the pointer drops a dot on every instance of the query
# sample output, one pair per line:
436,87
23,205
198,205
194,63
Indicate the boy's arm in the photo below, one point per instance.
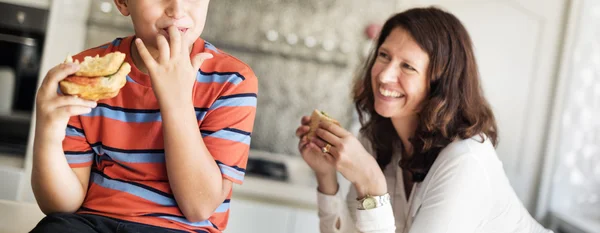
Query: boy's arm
203,163
57,187
194,176
200,170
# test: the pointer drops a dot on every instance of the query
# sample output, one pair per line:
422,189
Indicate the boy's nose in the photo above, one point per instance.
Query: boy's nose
175,9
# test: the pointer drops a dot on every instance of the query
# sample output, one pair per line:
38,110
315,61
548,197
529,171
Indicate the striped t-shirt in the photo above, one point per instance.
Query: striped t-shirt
122,140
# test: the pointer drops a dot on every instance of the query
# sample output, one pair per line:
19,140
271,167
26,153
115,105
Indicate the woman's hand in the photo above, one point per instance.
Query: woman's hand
351,159
316,160
311,153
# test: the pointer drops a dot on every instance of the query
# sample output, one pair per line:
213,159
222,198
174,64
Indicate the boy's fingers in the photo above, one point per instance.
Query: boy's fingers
163,49
63,101
62,71
175,43
57,74
144,54
71,110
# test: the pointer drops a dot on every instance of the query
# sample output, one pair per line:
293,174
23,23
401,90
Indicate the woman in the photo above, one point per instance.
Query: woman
426,161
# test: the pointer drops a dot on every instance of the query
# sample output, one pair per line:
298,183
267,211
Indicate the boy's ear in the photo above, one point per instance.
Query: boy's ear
122,6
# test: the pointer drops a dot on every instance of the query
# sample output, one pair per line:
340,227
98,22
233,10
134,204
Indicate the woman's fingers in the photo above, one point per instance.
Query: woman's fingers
305,120
328,137
302,130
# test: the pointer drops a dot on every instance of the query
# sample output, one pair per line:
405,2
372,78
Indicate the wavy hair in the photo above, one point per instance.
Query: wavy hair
454,108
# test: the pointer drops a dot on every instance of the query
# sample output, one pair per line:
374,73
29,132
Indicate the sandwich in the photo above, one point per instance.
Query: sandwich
98,77
315,119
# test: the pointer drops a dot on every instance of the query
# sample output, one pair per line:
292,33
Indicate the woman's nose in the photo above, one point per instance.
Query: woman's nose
389,74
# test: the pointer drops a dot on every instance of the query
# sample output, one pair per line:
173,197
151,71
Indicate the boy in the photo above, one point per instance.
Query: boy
162,155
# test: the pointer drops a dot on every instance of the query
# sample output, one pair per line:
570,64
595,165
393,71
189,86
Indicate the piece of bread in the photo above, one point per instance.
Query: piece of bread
100,66
315,119
97,87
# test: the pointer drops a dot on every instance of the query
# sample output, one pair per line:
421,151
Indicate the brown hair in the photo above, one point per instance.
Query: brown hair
454,108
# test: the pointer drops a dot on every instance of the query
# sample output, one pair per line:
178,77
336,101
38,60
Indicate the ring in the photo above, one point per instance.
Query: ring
326,148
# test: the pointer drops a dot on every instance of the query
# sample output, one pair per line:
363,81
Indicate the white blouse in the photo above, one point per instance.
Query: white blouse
466,190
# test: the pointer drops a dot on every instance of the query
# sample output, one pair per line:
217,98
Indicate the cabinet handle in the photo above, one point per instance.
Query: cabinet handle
18,40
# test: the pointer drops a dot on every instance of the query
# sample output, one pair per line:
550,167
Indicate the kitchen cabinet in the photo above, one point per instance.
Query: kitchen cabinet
65,35
249,216
43,4
10,178
22,35
306,221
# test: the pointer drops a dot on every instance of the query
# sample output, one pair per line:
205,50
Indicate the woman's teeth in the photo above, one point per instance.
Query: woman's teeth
388,93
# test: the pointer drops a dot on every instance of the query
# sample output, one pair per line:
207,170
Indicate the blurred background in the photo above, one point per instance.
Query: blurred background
539,62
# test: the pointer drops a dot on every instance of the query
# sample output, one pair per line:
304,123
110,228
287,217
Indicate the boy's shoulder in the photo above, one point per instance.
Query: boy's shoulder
223,62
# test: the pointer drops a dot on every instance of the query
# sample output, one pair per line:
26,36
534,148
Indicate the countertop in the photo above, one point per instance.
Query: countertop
298,191
18,217
277,192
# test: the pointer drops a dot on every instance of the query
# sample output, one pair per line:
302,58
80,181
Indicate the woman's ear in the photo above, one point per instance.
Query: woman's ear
122,6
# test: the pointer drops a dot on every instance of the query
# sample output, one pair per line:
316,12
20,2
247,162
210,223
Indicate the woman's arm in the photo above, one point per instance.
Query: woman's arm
337,215
334,214
358,166
378,220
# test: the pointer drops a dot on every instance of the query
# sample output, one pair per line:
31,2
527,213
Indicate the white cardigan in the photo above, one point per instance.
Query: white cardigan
466,190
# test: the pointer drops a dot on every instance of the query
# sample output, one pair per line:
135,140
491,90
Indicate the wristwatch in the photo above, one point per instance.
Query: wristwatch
372,202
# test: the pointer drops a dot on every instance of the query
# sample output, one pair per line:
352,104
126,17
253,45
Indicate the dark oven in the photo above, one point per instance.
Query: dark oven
22,34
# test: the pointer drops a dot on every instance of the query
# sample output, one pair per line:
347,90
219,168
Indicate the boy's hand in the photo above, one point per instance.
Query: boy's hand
53,110
173,73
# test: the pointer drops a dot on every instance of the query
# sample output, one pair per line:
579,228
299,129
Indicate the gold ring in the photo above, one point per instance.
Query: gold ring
326,148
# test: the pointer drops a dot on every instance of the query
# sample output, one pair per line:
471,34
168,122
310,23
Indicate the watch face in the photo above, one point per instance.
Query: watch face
369,203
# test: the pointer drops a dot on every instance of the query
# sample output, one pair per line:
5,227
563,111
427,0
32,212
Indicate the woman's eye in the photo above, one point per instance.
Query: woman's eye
383,55
407,66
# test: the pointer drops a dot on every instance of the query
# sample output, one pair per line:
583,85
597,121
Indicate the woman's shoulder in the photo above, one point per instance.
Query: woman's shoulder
478,145
474,153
